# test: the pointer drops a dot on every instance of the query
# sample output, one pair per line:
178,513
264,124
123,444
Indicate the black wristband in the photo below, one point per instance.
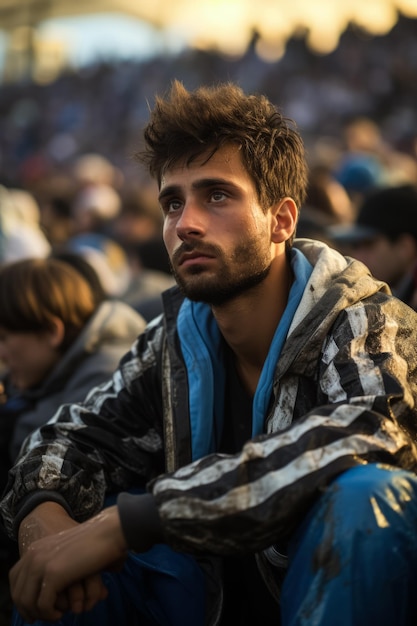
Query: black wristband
140,521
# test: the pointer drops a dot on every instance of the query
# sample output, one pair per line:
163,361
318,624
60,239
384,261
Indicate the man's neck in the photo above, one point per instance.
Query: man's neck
248,323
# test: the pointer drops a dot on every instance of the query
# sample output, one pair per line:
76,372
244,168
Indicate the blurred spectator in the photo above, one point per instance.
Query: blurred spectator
54,193
94,169
328,196
95,208
107,257
56,220
370,161
56,343
151,275
152,255
313,224
327,203
139,219
140,276
384,237
20,232
138,229
87,271
361,169
359,174
365,137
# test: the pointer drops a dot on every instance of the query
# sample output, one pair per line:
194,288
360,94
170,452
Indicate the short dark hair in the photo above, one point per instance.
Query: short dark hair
184,125
34,291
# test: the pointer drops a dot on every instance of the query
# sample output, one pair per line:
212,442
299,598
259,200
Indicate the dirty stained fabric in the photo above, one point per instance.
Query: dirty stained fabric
343,394
353,558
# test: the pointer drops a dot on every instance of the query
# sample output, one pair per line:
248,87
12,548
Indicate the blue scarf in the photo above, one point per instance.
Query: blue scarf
201,344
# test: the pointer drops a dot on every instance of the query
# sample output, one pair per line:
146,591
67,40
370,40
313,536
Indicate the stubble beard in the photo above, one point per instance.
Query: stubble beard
246,269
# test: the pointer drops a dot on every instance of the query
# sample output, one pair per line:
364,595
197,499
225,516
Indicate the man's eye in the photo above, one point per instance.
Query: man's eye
171,206
218,196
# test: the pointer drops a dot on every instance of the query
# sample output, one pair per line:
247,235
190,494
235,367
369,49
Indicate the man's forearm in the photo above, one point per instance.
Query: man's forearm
140,522
47,518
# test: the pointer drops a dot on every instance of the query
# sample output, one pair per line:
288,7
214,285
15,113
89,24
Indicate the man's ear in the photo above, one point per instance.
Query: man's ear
284,220
56,332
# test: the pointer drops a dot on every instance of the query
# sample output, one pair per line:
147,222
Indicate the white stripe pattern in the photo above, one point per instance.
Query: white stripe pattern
253,494
342,416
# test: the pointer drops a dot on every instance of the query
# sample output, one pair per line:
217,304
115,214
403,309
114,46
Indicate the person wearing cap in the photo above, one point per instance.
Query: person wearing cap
384,238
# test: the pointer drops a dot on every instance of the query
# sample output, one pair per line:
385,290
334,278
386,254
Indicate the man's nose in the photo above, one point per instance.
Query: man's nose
192,221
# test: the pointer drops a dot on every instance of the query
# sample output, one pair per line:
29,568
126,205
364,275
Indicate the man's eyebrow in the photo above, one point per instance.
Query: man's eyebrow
203,183
210,182
170,190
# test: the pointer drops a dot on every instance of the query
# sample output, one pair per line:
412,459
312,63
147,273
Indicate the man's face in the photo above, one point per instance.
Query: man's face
216,233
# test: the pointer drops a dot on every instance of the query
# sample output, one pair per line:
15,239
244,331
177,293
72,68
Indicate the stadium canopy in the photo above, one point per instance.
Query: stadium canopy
227,24
15,13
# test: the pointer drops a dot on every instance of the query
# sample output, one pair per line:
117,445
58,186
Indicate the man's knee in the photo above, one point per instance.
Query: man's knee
355,553
371,497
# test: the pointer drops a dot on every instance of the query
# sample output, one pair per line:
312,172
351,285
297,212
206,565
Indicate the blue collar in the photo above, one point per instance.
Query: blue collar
201,344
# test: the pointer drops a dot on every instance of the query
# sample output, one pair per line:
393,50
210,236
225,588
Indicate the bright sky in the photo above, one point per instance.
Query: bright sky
104,36
202,21
227,23
107,36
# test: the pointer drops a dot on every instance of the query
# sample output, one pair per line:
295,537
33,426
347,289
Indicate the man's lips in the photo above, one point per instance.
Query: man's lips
191,258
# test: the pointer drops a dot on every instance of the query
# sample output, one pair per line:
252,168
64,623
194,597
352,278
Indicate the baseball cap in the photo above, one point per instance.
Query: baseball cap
389,211
360,173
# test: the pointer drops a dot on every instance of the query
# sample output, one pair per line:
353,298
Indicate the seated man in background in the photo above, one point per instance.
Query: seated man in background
57,340
384,237
264,425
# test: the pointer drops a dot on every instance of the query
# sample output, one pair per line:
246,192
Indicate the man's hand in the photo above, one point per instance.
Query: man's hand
48,519
61,571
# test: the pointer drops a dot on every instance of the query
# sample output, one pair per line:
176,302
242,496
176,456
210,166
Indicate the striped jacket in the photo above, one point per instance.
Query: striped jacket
344,393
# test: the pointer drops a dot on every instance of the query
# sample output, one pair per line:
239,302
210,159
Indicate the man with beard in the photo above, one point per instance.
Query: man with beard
258,438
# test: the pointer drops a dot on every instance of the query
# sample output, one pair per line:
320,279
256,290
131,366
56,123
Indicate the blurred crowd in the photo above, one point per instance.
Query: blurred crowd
90,212
70,188
70,183
102,107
